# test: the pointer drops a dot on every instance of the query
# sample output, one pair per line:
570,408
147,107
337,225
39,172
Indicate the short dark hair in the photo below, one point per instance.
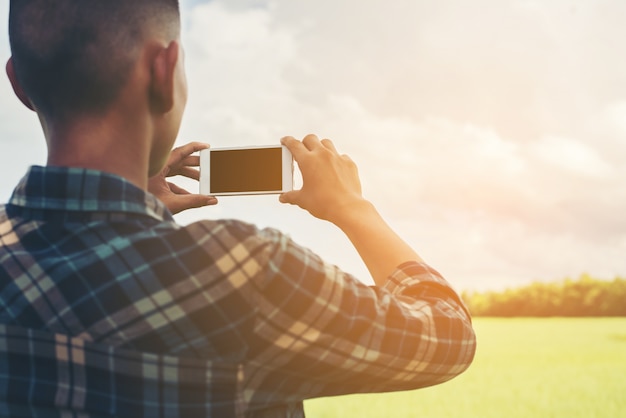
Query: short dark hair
73,56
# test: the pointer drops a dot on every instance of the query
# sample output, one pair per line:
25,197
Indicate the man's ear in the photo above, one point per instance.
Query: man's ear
17,87
163,76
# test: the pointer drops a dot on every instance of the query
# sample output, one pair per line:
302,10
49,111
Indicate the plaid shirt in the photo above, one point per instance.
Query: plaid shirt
112,309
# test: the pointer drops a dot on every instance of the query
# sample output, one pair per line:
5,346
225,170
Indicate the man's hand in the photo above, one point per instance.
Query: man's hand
180,163
331,190
331,186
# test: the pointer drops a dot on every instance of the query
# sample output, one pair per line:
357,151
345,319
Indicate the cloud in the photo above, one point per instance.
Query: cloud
475,133
571,155
236,60
489,134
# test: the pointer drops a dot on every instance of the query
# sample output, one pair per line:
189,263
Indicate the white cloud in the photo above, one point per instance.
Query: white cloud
490,134
462,123
573,155
615,114
236,60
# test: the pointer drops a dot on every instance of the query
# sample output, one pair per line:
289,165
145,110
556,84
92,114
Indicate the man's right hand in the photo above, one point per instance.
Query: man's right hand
331,185
331,190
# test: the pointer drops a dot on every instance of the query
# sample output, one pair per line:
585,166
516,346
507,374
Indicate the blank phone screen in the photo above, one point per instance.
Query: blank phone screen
246,170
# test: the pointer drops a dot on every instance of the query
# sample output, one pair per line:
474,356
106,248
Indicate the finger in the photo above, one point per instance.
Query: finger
184,168
181,153
188,172
327,143
297,149
311,142
190,161
176,189
289,197
191,201
347,157
191,173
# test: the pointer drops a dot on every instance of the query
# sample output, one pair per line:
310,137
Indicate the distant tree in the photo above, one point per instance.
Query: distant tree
584,296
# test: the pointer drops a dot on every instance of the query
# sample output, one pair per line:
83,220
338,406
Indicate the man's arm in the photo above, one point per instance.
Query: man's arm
321,332
332,191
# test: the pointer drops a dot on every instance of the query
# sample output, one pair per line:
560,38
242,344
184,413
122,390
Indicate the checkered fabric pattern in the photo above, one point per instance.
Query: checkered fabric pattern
100,267
39,370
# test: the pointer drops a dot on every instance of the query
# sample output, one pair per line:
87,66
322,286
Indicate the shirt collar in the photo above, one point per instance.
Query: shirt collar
72,189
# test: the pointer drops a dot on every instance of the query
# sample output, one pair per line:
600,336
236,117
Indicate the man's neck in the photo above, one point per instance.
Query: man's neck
108,144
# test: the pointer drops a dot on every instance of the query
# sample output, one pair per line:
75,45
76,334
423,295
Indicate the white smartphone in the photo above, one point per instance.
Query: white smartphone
246,170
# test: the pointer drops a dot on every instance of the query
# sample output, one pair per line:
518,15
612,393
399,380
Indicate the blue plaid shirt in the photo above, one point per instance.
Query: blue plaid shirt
110,308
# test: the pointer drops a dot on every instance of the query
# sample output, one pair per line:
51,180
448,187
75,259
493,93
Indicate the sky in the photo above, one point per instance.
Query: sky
490,134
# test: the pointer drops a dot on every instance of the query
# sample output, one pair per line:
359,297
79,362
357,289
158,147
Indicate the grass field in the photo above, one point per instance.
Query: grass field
524,368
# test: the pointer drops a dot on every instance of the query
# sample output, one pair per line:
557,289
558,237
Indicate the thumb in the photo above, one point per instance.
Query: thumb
189,201
290,197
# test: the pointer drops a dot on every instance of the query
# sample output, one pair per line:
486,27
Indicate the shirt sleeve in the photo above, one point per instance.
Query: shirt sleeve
321,332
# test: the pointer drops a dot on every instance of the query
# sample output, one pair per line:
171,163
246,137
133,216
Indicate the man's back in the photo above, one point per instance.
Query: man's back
87,254
106,263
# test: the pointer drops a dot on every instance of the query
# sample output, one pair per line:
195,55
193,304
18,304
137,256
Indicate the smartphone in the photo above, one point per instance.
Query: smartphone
246,170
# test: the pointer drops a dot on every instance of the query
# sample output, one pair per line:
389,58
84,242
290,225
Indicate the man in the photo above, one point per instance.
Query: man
92,258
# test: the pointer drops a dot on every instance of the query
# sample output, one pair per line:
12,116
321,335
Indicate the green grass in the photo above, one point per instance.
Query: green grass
526,368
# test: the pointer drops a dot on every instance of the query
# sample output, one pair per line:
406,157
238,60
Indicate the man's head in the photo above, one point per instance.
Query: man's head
72,57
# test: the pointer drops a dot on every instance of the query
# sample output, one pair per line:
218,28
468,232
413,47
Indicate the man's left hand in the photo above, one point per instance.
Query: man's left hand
180,163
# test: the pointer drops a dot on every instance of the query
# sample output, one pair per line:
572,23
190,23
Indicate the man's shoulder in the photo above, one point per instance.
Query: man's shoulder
222,226
231,232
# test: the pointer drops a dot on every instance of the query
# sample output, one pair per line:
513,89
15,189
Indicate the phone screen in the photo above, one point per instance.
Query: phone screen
246,170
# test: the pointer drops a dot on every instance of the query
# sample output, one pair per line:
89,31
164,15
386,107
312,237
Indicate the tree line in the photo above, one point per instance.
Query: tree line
584,296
